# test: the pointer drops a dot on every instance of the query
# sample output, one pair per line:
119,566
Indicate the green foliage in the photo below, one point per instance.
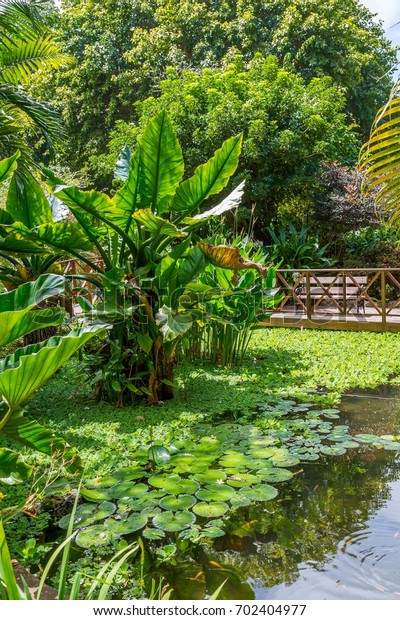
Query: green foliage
297,249
148,256
25,370
122,51
372,246
26,48
289,126
223,333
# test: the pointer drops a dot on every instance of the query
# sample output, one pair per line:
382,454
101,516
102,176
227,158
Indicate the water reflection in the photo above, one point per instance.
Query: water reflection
334,533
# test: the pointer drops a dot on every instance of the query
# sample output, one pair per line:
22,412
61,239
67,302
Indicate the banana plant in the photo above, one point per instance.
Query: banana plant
145,238
26,369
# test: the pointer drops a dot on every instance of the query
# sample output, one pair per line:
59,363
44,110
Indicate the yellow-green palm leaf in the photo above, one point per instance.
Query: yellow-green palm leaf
380,156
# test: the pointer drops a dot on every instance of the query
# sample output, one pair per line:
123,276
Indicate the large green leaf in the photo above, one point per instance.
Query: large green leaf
64,236
12,467
156,225
193,263
127,198
16,244
27,202
209,178
230,202
29,433
162,163
8,166
173,324
28,368
123,164
78,202
16,315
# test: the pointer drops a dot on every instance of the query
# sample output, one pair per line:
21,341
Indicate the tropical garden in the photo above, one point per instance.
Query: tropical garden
160,164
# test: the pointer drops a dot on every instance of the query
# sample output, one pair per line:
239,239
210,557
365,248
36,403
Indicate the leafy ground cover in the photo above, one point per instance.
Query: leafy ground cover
286,391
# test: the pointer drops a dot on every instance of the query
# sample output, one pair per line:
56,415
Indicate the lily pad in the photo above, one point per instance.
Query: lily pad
174,521
93,536
239,501
210,510
213,532
211,476
234,459
122,527
333,450
86,514
274,474
128,489
259,493
366,438
285,461
96,495
180,502
242,480
128,473
152,534
216,492
262,453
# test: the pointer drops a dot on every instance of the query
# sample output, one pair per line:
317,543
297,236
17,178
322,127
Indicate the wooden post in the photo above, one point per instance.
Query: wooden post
383,296
344,284
308,298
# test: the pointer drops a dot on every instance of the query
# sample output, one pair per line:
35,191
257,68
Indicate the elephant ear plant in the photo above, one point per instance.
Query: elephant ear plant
26,369
149,257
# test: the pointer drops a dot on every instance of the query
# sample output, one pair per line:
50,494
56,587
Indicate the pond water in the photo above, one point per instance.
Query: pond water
334,532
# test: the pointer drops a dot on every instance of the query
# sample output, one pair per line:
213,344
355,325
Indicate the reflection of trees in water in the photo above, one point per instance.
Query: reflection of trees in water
314,513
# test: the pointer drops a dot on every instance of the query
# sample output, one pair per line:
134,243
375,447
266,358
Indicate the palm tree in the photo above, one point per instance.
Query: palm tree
26,46
380,156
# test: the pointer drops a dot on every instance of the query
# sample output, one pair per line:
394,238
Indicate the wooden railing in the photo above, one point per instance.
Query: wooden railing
333,297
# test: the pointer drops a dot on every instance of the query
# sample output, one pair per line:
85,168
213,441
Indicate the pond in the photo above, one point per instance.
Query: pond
334,533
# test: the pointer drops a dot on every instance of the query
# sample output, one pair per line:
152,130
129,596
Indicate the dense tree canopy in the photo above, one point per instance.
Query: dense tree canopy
124,49
289,126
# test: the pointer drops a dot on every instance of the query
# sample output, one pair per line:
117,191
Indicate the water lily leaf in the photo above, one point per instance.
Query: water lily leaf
181,502
285,461
239,501
213,475
261,442
274,474
259,493
152,534
331,414
150,511
122,527
93,536
216,492
235,459
210,510
174,521
351,444
391,445
127,489
174,484
136,505
366,438
128,473
182,459
212,532
96,495
242,480
83,516
333,450
262,453
207,445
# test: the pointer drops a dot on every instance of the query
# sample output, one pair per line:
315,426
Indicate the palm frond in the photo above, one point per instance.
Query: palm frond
380,156
21,18
19,58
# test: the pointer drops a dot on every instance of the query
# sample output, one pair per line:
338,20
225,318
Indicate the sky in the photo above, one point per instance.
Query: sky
389,12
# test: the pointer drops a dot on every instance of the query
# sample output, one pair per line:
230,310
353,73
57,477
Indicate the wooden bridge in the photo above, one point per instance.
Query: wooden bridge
345,299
